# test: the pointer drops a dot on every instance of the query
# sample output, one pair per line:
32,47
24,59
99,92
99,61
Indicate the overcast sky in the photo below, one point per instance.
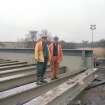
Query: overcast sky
69,19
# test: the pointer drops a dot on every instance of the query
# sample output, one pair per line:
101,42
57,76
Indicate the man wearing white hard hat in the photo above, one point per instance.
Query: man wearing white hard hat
42,57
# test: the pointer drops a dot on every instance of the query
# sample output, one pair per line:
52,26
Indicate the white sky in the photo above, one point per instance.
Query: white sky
70,19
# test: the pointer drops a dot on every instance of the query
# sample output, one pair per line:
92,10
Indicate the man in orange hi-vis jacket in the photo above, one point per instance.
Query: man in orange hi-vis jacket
56,57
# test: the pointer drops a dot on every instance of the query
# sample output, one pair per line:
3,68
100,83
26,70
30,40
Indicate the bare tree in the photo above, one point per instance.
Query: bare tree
30,39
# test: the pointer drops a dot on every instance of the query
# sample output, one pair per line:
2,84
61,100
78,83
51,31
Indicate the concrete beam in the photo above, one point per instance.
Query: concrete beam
2,62
5,73
17,80
13,63
23,76
26,92
15,66
66,92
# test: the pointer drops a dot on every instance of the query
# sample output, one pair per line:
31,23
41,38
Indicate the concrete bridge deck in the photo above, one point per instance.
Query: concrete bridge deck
17,77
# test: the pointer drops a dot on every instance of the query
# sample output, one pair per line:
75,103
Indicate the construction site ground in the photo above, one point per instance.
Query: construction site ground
95,93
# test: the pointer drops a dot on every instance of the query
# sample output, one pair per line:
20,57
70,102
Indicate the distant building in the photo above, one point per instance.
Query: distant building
12,45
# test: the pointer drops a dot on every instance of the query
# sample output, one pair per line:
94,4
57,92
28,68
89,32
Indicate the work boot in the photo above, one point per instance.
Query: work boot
52,78
39,83
56,77
42,80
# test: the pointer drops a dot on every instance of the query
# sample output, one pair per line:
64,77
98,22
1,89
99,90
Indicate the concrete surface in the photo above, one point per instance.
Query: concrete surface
66,92
93,96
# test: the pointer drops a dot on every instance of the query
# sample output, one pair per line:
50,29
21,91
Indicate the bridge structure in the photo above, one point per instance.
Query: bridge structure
18,78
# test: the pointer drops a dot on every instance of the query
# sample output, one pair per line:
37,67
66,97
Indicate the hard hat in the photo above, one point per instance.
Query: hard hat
56,38
44,33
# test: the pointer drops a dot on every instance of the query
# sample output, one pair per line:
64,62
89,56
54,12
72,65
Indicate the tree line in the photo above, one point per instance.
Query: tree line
29,43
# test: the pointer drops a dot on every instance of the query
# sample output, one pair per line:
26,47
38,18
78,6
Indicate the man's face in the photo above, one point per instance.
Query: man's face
44,39
55,41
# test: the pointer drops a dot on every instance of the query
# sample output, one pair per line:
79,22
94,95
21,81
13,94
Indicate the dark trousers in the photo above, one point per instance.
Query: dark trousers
41,70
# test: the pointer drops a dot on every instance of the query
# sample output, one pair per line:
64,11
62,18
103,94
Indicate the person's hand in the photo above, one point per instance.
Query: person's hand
36,60
52,61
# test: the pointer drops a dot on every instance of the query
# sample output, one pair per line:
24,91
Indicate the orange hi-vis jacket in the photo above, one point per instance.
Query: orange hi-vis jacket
60,54
39,57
